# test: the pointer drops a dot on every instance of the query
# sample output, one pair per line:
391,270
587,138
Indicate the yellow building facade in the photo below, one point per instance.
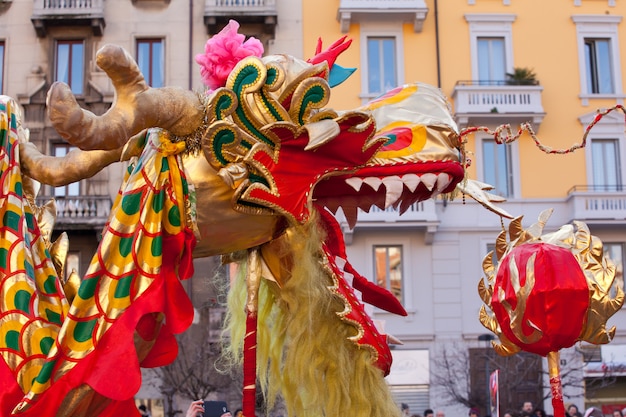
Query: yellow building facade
565,62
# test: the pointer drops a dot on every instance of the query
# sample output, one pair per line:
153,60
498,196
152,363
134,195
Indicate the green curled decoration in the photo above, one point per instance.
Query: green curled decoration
221,140
272,76
222,106
249,76
312,97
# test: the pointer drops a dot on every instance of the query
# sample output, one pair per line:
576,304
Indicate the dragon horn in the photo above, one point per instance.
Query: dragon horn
136,107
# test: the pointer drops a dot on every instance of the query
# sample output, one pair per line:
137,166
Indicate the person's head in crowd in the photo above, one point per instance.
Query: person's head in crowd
572,410
429,413
528,407
473,412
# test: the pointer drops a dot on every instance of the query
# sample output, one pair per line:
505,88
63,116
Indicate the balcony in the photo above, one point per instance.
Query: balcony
47,13
355,11
497,102
79,212
421,215
597,204
217,13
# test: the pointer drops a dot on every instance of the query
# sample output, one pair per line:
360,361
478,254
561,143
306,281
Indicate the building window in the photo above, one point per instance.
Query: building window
150,61
598,66
491,60
598,55
70,69
498,167
73,189
491,46
1,67
382,58
381,64
388,268
605,164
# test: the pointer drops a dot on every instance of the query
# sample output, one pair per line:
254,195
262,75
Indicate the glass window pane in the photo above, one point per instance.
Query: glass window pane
498,63
491,59
157,64
605,163
388,269
77,68
603,58
63,59
373,66
389,64
143,59
598,64
589,67
69,64
150,59
497,167
381,65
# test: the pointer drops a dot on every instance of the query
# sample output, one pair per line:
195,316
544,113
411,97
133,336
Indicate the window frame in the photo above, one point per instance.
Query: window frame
513,147
63,41
379,30
370,273
388,274
590,27
491,79
151,40
492,25
611,126
603,161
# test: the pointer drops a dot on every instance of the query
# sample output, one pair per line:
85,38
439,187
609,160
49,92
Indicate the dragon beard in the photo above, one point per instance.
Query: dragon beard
303,351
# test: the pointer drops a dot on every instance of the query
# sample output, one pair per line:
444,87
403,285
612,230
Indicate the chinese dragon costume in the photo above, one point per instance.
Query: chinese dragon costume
253,170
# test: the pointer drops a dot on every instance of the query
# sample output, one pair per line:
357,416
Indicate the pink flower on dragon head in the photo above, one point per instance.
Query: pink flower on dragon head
223,51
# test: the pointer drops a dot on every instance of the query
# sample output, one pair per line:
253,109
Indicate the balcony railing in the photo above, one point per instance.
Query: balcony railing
217,12
599,203
422,215
69,13
80,209
240,6
350,11
484,101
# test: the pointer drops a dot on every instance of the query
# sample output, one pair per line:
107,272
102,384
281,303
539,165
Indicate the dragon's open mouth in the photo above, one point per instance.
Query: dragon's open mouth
397,186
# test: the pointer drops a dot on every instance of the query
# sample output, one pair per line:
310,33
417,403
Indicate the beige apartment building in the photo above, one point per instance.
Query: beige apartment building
432,255
43,41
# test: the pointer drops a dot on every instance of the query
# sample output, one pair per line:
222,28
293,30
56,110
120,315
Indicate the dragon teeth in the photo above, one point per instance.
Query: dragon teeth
411,181
373,182
355,182
443,180
393,186
429,180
